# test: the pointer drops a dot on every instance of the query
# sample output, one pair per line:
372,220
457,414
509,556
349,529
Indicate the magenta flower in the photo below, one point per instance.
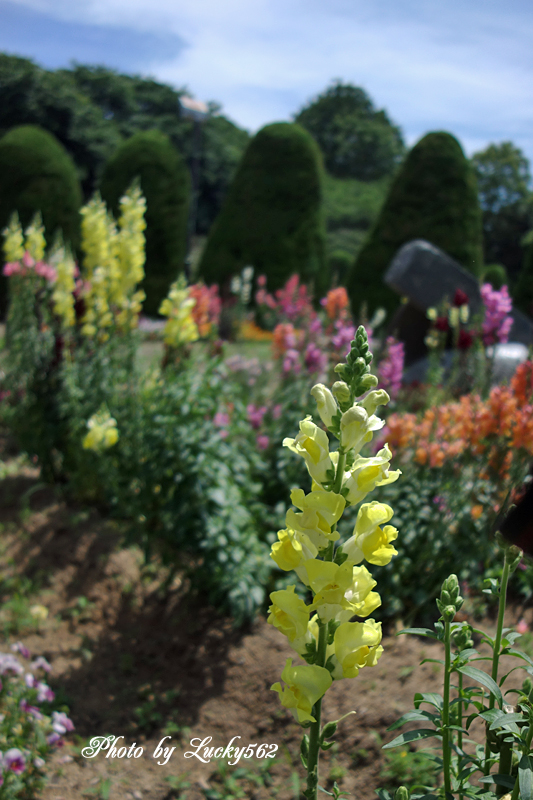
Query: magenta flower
255,415
262,442
315,359
44,693
291,362
54,738
498,305
343,337
11,268
41,663
221,419
14,761
391,367
61,723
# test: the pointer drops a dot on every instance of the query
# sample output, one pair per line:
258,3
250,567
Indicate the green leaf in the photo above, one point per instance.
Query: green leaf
519,654
499,779
414,716
482,677
525,777
419,632
432,698
410,736
503,720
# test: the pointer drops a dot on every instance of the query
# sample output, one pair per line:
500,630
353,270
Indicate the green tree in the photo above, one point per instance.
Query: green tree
432,197
164,181
357,140
37,174
271,218
504,182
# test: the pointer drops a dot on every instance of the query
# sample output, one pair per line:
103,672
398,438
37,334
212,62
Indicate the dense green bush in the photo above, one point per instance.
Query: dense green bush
496,275
357,140
271,218
433,197
37,174
165,184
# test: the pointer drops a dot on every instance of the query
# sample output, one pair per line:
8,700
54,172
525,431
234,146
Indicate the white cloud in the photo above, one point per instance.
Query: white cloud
460,66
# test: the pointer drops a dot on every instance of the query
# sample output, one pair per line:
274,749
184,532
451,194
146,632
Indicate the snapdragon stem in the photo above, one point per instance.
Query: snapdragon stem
446,749
323,630
497,646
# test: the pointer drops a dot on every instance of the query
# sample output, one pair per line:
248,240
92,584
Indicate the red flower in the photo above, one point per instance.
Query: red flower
465,340
460,298
441,324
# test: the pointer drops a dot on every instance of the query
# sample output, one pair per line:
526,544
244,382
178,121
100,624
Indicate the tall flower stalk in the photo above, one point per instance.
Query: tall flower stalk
322,632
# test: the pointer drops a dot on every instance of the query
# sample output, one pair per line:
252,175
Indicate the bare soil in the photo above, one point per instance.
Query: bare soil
134,661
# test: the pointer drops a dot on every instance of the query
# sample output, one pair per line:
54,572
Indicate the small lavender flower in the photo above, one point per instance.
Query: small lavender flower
54,738
61,723
9,663
315,359
41,663
44,693
22,649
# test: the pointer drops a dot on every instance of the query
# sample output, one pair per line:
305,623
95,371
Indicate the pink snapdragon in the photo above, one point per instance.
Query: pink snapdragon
497,323
391,367
315,360
255,415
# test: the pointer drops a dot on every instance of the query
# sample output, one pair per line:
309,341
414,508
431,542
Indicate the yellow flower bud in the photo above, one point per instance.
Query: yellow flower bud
327,407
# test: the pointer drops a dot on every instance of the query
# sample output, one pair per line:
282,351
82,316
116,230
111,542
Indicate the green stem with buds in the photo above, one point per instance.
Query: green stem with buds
446,749
497,646
323,631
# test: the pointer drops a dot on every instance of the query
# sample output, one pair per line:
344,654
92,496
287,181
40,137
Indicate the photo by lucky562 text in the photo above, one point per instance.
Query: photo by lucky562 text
322,633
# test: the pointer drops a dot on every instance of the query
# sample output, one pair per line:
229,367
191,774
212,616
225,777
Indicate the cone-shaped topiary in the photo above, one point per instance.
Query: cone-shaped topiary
434,196
37,174
165,183
271,218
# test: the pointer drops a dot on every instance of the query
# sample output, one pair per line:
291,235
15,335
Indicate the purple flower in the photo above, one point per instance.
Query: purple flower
276,411
30,681
33,710
9,663
44,693
315,359
391,367
497,324
262,442
291,362
14,761
41,663
54,738
22,649
61,723
343,337
221,419
255,415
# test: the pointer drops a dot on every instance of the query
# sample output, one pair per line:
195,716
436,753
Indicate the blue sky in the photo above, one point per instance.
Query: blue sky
464,66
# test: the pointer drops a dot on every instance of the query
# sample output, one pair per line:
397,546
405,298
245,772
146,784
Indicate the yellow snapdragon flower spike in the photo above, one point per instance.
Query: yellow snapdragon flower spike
180,327
35,242
357,645
304,686
62,295
13,240
288,613
369,541
312,444
292,549
103,432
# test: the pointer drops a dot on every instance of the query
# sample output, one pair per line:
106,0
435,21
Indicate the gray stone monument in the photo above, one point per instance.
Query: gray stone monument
424,276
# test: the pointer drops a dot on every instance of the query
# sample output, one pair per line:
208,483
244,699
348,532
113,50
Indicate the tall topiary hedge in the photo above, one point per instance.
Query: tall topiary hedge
523,290
37,174
271,218
434,196
165,183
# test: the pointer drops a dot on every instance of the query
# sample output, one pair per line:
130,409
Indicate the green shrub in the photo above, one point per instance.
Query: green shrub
164,181
496,275
339,263
523,291
37,174
433,197
271,218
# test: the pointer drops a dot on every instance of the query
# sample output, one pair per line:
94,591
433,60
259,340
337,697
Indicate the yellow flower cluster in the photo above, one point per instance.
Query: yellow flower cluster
340,585
35,242
102,433
180,326
113,264
13,240
63,292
